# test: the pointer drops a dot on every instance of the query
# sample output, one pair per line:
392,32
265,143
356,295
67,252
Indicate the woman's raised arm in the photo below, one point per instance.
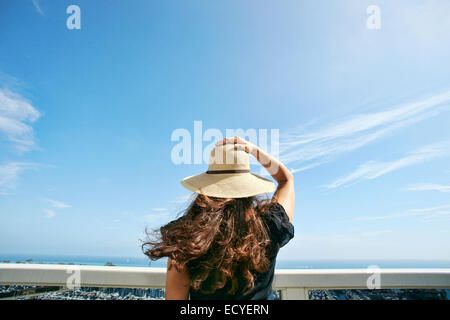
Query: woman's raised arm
285,193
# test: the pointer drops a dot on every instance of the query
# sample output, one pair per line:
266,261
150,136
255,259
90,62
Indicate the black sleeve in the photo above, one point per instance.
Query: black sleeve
280,229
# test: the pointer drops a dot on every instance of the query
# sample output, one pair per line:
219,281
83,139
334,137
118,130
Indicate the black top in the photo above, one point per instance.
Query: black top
280,232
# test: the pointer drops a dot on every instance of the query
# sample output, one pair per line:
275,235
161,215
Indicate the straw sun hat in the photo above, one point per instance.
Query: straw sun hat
228,176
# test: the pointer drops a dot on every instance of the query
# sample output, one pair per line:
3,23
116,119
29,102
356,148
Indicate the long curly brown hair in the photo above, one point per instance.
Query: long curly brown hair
218,240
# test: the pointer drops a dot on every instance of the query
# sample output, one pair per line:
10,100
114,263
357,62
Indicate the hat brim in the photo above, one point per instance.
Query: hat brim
238,185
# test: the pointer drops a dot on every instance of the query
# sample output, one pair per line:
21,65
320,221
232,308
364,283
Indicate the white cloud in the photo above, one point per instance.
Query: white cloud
426,213
308,150
184,199
16,117
9,173
38,7
332,238
428,187
57,204
373,169
49,213
349,237
375,233
154,219
159,209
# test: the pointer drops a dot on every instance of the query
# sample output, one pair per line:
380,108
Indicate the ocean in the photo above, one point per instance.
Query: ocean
281,264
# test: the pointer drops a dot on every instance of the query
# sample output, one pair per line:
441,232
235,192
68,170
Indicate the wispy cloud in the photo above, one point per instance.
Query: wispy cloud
156,219
184,199
160,215
350,236
373,169
38,7
9,174
308,150
10,82
16,116
49,213
427,213
428,187
375,233
57,204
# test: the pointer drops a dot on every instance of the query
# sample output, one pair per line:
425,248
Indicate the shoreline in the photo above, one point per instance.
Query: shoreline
281,264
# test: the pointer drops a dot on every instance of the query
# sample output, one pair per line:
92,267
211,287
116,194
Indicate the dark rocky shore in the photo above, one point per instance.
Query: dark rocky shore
90,293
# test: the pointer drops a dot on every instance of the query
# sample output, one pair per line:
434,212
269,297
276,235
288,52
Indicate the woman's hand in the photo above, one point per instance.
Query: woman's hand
240,144
285,194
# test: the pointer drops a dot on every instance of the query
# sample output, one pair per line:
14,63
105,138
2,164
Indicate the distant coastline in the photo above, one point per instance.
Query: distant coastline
281,264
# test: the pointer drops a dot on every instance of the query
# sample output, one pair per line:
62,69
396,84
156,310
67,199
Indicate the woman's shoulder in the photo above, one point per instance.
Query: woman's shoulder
277,220
275,211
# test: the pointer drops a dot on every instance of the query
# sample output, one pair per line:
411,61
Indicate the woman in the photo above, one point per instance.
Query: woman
226,243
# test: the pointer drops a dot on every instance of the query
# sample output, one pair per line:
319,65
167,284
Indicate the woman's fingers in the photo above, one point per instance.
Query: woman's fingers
241,146
221,142
239,143
231,140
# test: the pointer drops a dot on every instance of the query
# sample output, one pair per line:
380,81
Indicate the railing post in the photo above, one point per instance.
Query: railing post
294,294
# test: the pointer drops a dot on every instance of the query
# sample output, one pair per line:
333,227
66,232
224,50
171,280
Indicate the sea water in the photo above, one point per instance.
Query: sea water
280,264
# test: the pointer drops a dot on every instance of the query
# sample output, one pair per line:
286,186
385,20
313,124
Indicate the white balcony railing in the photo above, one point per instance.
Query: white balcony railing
293,283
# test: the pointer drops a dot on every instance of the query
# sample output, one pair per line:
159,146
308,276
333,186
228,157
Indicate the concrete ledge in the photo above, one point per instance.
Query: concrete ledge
89,276
358,278
140,277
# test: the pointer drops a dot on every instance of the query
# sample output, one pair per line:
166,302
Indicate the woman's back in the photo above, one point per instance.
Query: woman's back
226,243
280,232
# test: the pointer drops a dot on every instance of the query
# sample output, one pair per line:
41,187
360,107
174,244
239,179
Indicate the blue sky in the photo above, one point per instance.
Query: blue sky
363,114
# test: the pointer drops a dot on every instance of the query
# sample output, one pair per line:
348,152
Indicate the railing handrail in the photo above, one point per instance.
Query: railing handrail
293,283
92,276
146,277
